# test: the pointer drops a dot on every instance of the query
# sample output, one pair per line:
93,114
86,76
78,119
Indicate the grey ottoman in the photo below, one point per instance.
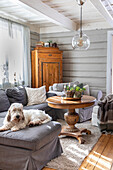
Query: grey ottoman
29,148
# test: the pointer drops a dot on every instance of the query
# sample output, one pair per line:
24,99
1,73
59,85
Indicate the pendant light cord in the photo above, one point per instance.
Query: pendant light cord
80,21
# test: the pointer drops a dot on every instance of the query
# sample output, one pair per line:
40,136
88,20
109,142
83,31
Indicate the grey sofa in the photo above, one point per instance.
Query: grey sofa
29,148
84,113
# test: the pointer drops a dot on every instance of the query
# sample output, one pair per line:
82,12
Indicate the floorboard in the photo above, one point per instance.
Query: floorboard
101,156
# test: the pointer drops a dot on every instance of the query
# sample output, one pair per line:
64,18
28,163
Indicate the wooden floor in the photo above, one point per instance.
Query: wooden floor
101,156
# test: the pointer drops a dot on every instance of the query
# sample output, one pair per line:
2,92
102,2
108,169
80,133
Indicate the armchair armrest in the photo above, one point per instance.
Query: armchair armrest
50,88
48,94
97,94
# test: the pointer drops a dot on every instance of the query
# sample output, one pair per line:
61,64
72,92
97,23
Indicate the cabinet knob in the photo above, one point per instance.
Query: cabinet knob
49,54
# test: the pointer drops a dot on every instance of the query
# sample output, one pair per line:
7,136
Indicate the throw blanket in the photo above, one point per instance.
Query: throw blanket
105,113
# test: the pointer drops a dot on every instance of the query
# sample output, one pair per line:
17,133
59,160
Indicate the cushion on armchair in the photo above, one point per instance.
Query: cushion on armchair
60,86
87,91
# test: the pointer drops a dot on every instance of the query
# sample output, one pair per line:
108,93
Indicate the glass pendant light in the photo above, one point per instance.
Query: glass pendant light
80,41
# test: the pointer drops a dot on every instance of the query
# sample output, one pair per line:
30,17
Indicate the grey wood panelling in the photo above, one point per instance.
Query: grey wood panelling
34,38
84,66
88,53
87,60
95,45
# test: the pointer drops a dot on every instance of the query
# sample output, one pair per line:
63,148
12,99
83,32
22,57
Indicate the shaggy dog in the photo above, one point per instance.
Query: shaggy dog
17,118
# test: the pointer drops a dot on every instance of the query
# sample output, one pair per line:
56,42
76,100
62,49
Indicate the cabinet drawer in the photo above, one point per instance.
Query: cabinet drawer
49,55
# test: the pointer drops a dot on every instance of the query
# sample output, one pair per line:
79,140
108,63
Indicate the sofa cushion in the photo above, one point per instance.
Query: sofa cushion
4,102
36,95
42,106
32,138
3,114
17,95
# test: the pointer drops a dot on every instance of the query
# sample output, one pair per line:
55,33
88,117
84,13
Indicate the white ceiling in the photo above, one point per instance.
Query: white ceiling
18,10
68,8
71,9
108,5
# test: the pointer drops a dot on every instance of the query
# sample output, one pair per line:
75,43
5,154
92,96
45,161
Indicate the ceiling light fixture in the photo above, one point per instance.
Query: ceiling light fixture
80,41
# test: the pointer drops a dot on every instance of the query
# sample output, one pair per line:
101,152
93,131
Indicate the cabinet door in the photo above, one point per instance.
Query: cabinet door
50,73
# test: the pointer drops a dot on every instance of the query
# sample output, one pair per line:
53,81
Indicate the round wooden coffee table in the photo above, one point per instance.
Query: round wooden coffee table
71,117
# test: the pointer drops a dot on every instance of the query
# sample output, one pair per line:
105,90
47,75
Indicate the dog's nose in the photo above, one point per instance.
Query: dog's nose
17,116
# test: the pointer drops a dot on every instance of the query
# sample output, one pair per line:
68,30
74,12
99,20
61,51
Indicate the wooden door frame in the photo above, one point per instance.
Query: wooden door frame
109,63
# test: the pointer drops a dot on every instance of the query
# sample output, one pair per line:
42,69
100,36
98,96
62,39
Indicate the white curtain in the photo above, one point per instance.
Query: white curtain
14,54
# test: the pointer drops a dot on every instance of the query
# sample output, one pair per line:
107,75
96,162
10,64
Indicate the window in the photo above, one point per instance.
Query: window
14,54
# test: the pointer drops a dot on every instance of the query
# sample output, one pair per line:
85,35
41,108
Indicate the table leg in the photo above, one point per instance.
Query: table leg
71,118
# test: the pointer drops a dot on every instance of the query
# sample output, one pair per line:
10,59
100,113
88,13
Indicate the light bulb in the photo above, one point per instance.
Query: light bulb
79,42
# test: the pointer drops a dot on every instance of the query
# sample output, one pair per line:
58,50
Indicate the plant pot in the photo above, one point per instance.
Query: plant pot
69,93
54,45
78,94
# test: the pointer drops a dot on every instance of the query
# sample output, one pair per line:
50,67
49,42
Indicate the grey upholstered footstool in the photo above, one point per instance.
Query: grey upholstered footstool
30,148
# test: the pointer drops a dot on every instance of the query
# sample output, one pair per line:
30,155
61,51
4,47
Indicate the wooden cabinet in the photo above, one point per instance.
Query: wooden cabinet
46,63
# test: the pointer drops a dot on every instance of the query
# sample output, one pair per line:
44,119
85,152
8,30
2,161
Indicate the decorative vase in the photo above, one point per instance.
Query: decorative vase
47,44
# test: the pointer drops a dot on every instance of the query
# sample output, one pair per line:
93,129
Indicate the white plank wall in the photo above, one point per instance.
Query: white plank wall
34,38
84,66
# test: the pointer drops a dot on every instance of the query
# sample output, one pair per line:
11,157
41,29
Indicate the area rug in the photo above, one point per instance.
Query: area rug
73,152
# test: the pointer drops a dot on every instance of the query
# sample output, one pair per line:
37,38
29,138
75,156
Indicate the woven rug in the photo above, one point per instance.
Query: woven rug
73,152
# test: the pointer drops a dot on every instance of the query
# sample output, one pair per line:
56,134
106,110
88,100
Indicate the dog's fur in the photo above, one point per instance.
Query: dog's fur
17,118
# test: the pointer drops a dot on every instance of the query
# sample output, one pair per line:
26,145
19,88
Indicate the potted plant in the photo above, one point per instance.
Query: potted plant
78,92
50,43
69,91
74,91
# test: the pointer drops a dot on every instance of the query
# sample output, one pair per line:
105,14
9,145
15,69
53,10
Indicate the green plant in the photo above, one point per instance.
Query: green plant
74,91
77,88
69,88
50,41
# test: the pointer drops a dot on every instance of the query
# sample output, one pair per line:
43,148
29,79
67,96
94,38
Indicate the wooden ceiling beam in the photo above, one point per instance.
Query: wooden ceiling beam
102,9
51,14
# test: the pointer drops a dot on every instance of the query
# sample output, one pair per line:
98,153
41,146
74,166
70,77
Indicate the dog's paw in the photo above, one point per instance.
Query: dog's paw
2,129
40,122
31,124
13,129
